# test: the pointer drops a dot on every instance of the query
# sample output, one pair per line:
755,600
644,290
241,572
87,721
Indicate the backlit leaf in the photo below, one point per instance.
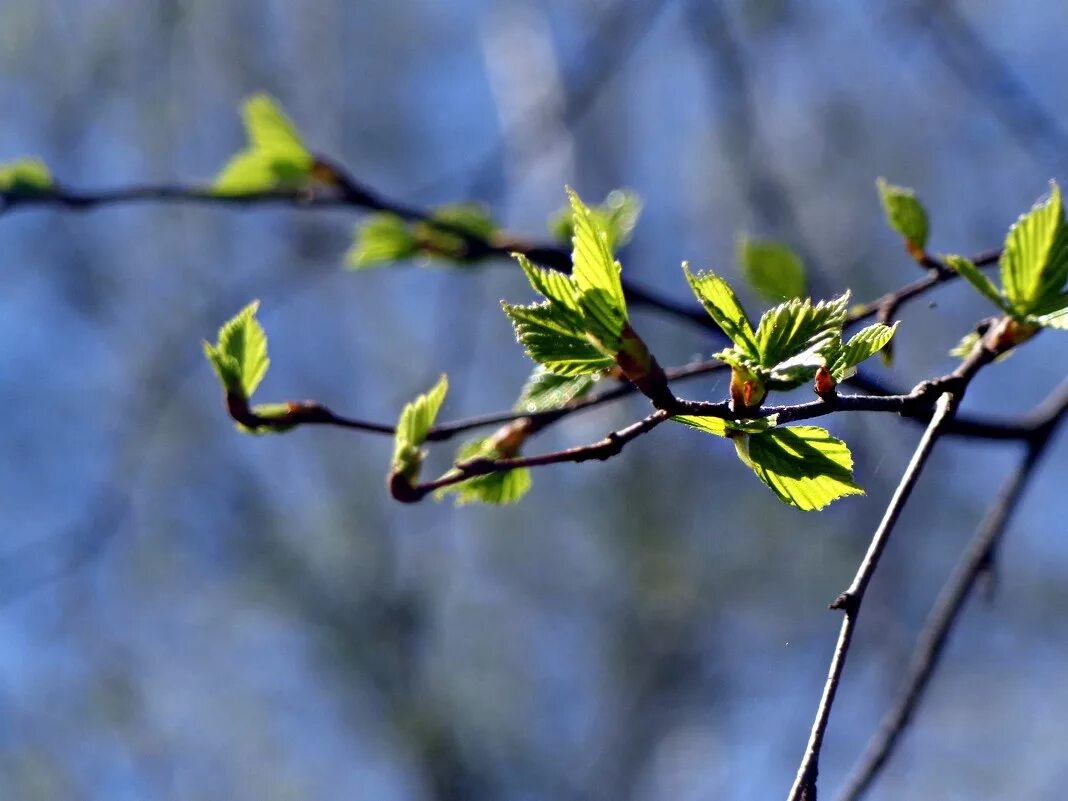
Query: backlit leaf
1034,262
25,176
904,212
381,238
552,341
275,158
861,346
773,270
416,419
239,356
804,465
724,307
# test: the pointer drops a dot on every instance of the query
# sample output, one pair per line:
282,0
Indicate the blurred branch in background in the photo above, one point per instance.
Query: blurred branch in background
991,80
751,161
616,34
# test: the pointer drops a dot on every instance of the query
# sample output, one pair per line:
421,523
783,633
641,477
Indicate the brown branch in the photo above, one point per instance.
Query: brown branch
884,308
951,391
948,607
602,450
342,190
917,405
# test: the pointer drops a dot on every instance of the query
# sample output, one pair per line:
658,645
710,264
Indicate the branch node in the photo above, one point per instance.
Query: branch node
846,602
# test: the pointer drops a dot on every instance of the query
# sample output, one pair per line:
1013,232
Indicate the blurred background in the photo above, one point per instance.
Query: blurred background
188,613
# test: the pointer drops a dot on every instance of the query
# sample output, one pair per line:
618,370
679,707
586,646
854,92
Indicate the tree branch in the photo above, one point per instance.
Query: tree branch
951,390
804,788
603,449
950,603
344,191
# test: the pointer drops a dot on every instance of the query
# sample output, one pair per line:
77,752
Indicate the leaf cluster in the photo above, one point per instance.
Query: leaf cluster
1033,268
579,328
275,158
26,176
448,234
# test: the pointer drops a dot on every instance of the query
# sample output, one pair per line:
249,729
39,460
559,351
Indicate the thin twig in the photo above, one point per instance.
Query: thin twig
885,308
951,389
916,405
804,788
603,449
348,192
947,608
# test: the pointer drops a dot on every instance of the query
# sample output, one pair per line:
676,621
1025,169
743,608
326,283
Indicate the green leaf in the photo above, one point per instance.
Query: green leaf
723,306
735,358
721,427
469,219
579,330
545,390
964,348
618,216
275,158
596,275
804,465
904,212
26,176
1034,262
771,268
416,419
1053,313
793,337
506,486
239,356
556,287
386,237
551,339
450,231
863,345
970,273
381,238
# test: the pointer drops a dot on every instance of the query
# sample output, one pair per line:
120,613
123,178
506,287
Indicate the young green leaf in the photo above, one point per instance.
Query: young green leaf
416,419
583,325
773,270
724,307
275,158
1056,319
617,216
556,287
595,273
842,361
970,273
25,176
551,339
1034,262
381,238
804,465
1053,312
905,214
544,390
239,356
720,427
793,337
465,219
964,348
506,486
447,235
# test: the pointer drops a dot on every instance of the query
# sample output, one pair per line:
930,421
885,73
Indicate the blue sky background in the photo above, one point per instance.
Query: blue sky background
192,614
